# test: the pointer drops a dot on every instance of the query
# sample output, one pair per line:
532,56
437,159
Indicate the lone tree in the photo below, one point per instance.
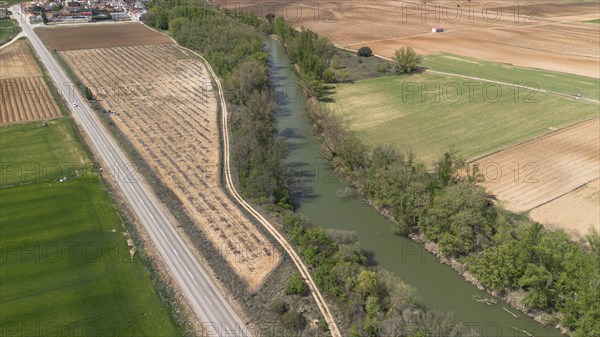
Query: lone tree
365,52
406,60
44,17
87,93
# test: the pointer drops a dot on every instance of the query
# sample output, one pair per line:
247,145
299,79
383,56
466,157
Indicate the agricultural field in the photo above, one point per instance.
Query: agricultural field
544,80
162,100
100,36
539,171
25,94
8,29
68,266
576,212
549,36
429,113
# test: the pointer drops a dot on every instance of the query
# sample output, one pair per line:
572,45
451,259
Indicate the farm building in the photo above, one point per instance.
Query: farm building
437,29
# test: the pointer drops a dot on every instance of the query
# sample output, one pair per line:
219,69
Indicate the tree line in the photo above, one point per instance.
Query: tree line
505,251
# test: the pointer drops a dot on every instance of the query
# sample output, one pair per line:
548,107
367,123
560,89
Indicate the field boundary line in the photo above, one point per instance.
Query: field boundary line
562,195
321,303
486,80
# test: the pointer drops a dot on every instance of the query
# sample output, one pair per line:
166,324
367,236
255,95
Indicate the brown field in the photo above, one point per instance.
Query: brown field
165,105
539,36
538,171
576,212
24,95
100,36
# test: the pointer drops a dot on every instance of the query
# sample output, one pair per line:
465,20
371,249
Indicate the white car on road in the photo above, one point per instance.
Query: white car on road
75,104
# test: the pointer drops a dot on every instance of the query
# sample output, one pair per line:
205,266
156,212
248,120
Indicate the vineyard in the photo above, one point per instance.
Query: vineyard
161,98
24,93
539,171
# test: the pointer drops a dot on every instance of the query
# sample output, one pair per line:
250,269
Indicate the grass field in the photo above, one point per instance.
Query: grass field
402,110
546,80
8,29
33,153
594,21
66,265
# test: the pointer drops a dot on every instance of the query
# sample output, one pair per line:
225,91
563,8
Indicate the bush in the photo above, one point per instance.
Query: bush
296,286
365,52
406,60
293,320
279,307
329,76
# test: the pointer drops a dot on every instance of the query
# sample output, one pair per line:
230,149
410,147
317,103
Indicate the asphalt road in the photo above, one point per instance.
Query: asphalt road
210,306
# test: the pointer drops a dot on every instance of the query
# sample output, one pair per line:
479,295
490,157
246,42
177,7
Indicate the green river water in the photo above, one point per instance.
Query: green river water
438,286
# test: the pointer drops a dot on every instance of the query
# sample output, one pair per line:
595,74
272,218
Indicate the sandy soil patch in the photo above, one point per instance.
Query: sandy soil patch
533,173
575,212
99,36
24,95
165,104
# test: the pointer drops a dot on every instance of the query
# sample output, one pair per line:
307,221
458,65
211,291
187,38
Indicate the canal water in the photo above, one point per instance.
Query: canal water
437,285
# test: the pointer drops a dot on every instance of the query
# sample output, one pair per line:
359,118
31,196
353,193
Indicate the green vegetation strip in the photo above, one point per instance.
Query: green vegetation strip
546,80
66,265
8,29
428,113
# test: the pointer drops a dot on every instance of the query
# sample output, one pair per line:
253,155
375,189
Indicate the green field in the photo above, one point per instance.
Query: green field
8,29
66,266
34,153
546,80
385,111
594,21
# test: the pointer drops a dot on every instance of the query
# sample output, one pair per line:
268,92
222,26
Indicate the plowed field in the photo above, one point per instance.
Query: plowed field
525,176
24,93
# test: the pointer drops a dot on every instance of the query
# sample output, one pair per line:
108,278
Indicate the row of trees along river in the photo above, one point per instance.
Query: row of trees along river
284,167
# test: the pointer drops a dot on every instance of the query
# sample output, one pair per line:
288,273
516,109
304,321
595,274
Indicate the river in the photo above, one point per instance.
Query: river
438,286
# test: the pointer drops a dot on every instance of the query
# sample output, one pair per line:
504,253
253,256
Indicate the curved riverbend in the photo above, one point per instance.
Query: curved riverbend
439,287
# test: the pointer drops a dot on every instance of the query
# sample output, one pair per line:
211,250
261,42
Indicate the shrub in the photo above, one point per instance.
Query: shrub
406,60
365,52
279,307
296,286
293,320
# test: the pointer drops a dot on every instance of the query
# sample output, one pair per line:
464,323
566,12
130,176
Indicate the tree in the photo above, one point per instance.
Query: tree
365,52
44,17
406,60
87,93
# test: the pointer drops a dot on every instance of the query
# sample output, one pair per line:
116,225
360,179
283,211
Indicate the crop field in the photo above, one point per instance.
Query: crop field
576,212
67,267
31,153
100,36
428,113
544,80
25,95
538,171
162,100
549,36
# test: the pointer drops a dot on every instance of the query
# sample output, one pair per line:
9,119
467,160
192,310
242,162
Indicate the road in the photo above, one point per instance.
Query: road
211,308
